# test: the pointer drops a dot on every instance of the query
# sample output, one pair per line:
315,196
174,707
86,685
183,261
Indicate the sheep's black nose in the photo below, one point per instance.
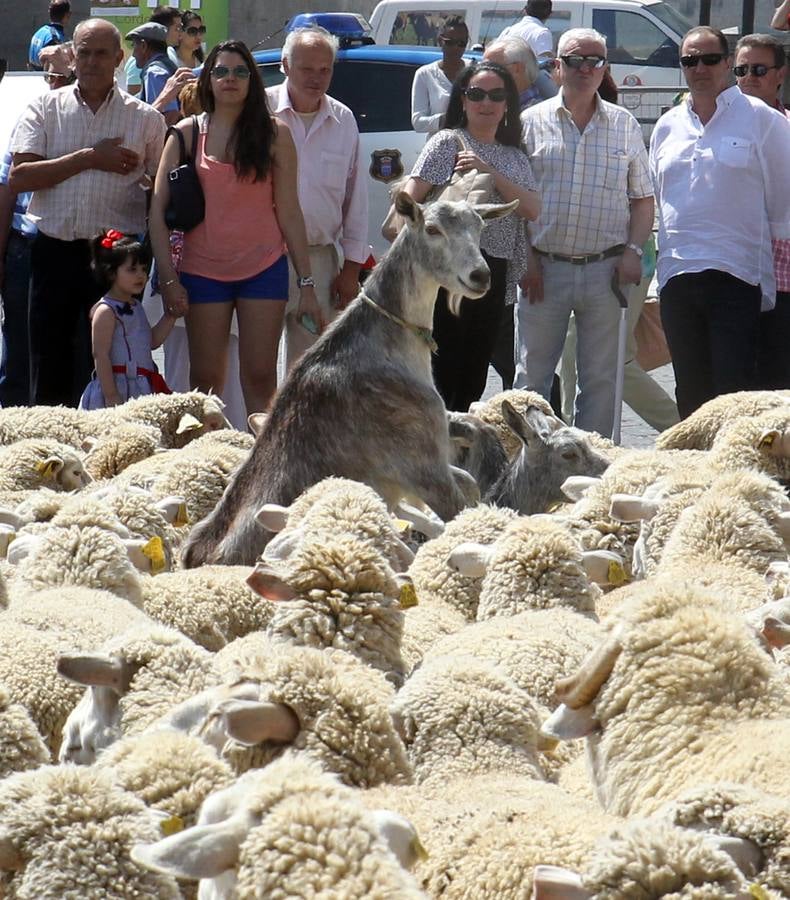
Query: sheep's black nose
479,277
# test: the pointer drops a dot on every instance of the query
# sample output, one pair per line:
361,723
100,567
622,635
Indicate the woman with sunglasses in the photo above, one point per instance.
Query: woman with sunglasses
484,113
235,258
189,52
430,91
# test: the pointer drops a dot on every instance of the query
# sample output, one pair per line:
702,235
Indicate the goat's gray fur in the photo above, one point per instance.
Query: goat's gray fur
361,402
551,453
475,446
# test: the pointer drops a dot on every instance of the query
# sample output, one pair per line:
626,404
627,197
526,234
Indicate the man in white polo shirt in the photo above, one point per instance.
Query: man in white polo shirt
719,162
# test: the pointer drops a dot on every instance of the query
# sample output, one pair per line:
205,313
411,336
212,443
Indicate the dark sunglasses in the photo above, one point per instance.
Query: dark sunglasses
195,30
477,95
707,59
757,69
576,62
55,78
240,72
452,42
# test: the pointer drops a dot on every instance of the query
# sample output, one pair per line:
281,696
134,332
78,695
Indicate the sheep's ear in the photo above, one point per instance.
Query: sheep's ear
10,859
188,422
95,670
7,534
250,721
746,855
174,509
403,553
604,567
775,633
631,508
566,724
408,207
146,556
533,427
419,520
576,486
50,467
272,516
400,836
783,527
774,442
554,883
269,585
9,517
204,851
495,210
470,559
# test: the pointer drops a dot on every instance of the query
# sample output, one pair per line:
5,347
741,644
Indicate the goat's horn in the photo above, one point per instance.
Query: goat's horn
582,688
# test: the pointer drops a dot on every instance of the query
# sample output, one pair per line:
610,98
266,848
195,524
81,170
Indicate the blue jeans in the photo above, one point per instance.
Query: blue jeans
15,367
586,292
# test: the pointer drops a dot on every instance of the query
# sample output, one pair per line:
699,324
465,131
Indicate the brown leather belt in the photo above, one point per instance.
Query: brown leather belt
583,259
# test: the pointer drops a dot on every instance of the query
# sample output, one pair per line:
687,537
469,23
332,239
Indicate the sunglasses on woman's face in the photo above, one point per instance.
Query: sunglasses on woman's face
574,61
195,30
707,59
220,72
757,69
477,95
452,42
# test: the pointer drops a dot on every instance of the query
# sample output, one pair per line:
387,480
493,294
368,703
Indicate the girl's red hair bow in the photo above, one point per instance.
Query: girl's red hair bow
111,238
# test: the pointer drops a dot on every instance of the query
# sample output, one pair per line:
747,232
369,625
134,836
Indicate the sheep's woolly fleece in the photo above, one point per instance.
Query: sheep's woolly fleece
535,564
431,575
71,832
342,708
741,445
211,605
699,430
347,598
425,624
460,717
23,465
491,413
21,745
126,445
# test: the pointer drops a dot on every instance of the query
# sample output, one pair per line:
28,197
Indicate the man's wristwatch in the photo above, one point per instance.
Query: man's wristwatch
305,281
636,248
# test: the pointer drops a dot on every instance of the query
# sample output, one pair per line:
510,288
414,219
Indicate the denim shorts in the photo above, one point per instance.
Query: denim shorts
270,284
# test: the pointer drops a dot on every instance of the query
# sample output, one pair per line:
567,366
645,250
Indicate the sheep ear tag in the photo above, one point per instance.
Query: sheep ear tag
46,468
408,596
401,526
181,518
758,892
616,574
154,550
171,825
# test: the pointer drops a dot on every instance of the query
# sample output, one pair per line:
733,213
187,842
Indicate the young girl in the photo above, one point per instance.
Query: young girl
121,336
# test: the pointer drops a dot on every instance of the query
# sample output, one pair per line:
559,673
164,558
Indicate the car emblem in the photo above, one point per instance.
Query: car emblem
385,165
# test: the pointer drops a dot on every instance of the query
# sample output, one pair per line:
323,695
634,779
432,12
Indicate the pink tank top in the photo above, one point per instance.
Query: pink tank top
240,236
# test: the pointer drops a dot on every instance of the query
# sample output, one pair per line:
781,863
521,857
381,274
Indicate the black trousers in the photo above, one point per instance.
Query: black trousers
773,354
466,341
712,322
62,292
15,367
503,357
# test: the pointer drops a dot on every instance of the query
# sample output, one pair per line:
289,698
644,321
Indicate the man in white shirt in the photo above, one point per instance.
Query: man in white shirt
722,181
332,180
533,30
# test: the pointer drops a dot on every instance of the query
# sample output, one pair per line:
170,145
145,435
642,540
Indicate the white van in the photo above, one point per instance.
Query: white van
643,37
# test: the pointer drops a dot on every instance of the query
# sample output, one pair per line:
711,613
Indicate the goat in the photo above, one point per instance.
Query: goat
475,447
361,402
551,453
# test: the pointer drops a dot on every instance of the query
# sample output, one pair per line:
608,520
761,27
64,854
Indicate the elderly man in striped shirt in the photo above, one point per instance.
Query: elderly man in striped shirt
592,170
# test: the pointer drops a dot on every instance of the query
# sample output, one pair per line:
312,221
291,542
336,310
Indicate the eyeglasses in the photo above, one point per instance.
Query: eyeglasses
195,30
55,78
452,42
757,69
477,95
707,59
576,62
240,72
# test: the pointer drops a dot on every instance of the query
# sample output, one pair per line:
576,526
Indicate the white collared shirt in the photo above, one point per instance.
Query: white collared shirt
722,189
333,191
534,32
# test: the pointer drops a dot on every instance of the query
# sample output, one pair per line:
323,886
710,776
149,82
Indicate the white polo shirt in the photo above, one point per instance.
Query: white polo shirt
722,189
535,33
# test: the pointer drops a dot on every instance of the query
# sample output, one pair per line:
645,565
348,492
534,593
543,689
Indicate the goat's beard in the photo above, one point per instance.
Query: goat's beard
454,303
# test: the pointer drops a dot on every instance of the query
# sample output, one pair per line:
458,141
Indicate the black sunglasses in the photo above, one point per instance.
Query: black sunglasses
757,69
452,42
477,95
707,59
195,30
576,62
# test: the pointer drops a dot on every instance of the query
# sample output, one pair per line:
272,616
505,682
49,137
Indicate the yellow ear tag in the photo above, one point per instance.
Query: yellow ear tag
615,574
171,825
402,526
181,516
46,469
418,849
408,596
155,551
758,891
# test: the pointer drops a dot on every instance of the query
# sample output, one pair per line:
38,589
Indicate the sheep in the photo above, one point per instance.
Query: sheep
69,832
41,462
490,413
211,605
549,455
21,744
680,691
476,447
129,443
700,429
425,624
759,442
336,592
433,578
290,830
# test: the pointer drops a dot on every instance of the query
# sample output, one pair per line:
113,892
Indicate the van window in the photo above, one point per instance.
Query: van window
634,40
379,94
271,74
422,27
494,21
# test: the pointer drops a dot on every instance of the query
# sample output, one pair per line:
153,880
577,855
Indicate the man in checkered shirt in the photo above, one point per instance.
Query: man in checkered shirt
592,170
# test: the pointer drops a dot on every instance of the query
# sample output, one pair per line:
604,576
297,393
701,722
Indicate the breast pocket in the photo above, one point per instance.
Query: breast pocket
334,171
735,151
615,175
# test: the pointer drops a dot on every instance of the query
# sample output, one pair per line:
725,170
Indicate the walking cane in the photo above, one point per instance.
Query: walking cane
621,337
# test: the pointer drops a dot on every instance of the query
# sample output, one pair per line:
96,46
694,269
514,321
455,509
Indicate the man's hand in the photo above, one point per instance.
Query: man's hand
345,286
173,85
308,306
629,267
110,156
532,283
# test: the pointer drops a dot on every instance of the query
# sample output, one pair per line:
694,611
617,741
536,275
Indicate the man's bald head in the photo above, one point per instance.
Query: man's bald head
98,26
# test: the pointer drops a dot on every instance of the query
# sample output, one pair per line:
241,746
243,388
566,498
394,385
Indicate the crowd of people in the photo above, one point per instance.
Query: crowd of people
85,190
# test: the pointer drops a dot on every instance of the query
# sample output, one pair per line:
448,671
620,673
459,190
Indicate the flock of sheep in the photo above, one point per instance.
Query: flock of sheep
578,689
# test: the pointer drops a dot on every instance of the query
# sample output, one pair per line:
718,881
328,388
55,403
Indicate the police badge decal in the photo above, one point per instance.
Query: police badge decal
385,165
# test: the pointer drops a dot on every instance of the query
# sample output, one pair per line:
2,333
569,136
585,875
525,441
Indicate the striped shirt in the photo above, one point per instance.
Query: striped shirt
21,221
586,180
60,122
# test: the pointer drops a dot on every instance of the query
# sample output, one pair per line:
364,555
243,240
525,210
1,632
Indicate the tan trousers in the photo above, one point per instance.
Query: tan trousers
324,267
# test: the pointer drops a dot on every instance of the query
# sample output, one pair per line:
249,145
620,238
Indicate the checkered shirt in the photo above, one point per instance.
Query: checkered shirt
585,180
60,122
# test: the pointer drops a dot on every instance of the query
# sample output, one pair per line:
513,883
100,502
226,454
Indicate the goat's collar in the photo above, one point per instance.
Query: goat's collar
424,333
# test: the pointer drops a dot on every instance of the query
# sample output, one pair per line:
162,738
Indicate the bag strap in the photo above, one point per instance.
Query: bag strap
195,129
182,153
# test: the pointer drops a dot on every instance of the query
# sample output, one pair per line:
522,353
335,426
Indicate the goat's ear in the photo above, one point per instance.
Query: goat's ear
408,207
533,427
495,210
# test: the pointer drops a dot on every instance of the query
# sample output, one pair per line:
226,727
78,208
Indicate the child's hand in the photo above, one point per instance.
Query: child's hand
113,400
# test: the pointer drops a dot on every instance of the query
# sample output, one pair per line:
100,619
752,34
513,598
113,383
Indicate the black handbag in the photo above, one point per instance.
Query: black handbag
186,207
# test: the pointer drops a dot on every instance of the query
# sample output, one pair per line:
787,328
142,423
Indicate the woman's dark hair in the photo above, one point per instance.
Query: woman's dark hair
607,89
253,134
187,16
105,261
509,129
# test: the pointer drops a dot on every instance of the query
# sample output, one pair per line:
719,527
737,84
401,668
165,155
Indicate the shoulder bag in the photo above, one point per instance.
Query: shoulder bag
186,207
